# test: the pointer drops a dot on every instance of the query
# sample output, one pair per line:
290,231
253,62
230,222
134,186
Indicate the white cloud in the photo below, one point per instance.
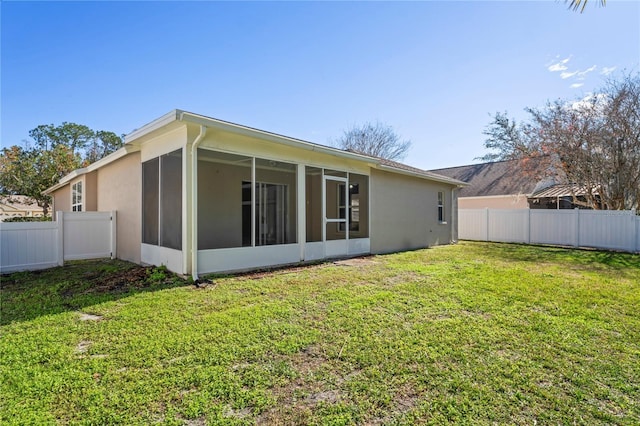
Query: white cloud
607,70
559,66
587,71
565,75
577,76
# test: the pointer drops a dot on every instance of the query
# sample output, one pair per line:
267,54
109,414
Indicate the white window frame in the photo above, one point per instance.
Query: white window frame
441,211
77,196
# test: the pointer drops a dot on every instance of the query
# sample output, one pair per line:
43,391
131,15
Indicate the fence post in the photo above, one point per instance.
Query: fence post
114,235
528,226
576,242
636,234
60,225
486,223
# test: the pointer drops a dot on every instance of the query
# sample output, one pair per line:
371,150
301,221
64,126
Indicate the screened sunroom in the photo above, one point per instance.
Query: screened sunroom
255,212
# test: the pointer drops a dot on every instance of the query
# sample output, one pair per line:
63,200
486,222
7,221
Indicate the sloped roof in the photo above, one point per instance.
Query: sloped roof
495,178
19,202
137,136
396,166
561,190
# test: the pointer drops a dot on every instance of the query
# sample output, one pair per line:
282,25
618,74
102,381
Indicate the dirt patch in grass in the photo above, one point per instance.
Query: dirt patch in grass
402,278
89,317
356,261
272,272
83,346
287,270
296,400
119,281
404,400
135,277
241,413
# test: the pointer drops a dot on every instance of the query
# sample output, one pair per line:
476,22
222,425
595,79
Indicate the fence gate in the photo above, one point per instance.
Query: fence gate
74,235
87,235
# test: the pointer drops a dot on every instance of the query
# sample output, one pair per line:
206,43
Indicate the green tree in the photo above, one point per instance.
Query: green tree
31,171
74,136
102,144
53,152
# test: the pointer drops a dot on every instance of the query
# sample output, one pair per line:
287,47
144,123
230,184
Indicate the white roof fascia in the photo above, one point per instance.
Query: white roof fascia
154,125
272,137
115,155
433,177
74,174
121,152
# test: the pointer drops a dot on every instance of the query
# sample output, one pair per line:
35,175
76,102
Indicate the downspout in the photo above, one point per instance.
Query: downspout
194,202
454,218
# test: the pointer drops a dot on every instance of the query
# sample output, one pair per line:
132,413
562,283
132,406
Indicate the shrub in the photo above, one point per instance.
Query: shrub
29,219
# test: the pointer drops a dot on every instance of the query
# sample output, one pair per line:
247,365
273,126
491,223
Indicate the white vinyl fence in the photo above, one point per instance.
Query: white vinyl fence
74,235
606,229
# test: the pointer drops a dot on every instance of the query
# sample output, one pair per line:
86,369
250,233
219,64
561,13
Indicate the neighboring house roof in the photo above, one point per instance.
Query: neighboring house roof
485,179
18,203
560,190
507,177
136,137
18,206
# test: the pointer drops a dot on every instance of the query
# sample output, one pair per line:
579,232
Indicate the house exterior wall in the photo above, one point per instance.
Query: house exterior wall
90,192
62,200
119,187
494,202
404,213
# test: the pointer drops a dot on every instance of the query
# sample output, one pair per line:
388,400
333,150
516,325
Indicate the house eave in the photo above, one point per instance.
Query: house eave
428,176
121,152
156,124
214,123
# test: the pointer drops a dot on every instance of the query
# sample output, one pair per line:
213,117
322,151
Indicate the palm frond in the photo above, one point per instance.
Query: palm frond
581,4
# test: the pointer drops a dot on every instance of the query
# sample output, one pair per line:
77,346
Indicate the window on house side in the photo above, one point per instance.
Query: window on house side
76,197
440,206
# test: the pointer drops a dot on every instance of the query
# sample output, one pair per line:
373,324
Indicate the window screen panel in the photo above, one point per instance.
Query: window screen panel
224,200
171,200
275,204
150,198
358,206
313,203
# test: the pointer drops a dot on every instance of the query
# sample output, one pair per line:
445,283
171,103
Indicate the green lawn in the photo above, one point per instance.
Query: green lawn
471,334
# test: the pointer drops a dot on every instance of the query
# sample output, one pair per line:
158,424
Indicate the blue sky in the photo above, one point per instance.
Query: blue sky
435,71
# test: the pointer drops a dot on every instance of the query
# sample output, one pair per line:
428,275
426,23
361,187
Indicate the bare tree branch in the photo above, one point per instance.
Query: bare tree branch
594,141
376,139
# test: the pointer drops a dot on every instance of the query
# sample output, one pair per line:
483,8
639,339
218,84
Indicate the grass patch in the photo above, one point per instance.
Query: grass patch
473,333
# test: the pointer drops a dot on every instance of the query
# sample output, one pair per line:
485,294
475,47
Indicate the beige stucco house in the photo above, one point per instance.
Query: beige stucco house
201,195
19,206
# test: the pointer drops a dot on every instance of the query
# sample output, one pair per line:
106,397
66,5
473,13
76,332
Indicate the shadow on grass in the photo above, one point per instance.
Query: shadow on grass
25,296
588,258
